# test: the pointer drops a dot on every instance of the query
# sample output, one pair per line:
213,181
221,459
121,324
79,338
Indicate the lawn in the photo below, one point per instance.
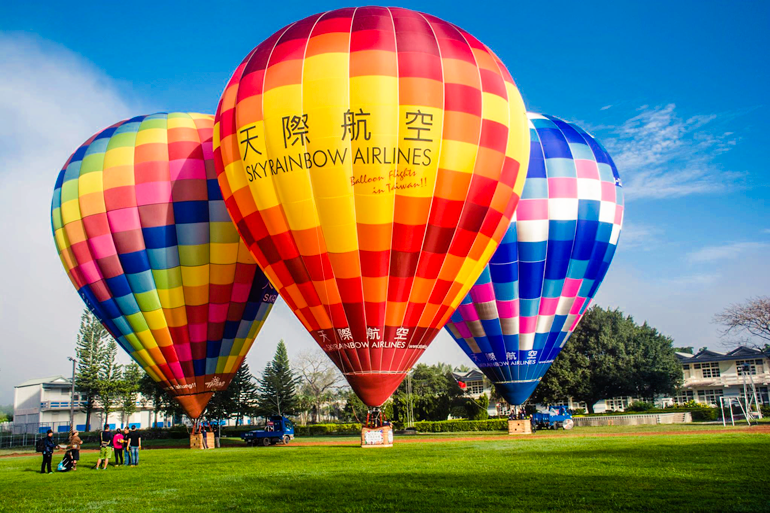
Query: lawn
659,472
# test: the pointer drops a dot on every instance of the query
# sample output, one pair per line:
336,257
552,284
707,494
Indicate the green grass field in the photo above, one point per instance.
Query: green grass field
658,472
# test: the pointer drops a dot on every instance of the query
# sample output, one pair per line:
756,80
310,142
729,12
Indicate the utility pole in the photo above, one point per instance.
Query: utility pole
72,395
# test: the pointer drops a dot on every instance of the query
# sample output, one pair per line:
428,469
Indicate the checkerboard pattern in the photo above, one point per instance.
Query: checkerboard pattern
554,256
370,158
144,235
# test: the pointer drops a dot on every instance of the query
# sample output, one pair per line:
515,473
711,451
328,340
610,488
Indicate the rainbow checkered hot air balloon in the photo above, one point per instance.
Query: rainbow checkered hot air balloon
143,233
554,256
371,159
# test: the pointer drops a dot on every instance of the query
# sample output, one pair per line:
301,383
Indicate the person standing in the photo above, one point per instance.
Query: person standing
117,444
125,445
134,445
204,433
74,445
48,447
105,447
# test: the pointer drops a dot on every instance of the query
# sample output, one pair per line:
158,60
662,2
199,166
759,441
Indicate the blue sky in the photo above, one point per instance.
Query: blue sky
675,90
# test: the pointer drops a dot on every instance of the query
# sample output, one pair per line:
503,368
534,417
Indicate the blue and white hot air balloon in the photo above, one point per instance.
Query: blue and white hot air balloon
556,252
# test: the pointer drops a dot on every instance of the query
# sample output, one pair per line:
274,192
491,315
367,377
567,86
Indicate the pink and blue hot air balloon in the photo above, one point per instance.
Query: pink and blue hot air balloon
540,281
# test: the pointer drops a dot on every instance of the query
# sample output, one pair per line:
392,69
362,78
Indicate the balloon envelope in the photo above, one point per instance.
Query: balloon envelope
143,233
370,158
554,256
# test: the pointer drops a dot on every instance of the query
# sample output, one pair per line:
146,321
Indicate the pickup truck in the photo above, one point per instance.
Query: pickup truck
276,430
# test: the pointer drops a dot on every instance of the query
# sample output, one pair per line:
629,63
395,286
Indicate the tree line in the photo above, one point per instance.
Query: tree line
608,355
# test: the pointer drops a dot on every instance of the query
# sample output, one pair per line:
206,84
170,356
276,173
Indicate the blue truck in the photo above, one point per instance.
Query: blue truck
277,430
557,417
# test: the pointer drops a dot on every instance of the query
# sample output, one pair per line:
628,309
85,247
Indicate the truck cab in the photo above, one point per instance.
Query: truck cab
276,430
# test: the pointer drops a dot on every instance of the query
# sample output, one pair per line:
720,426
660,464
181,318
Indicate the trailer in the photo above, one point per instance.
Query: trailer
277,430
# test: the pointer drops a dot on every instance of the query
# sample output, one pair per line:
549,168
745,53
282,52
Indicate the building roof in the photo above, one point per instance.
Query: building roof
50,380
708,355
471,375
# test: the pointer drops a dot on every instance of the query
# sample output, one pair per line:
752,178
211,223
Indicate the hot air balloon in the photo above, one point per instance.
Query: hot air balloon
555,254
370,158
143,233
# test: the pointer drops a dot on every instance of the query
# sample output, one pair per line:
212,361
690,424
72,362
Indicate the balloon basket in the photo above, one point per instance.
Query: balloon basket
381,436
519,427
196,441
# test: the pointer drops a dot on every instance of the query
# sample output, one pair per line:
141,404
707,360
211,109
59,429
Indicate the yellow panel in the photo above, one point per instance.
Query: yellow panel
154,135
155,319
223,253
458,156
90,182
495,108
195,276
123,156
70,211
301,215
183,121
372,89
148,341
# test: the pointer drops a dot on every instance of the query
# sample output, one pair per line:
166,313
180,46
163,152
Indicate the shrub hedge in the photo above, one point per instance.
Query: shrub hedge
449,426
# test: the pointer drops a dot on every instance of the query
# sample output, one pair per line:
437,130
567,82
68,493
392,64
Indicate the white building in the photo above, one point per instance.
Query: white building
42,404
710,375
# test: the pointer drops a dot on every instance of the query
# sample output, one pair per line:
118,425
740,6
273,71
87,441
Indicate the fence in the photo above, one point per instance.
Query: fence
634,420
12,440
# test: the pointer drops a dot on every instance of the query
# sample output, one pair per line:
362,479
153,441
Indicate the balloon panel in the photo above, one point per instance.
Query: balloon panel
553,258
370,159
143,232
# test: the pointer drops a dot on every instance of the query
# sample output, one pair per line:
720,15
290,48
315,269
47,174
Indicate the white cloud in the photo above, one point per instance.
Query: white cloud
51,100
640,236
606,107
662,155
724,251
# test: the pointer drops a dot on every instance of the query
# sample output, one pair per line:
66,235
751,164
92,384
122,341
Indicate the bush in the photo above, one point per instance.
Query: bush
704,414
328,429
640,406
765,409
579,411
453,426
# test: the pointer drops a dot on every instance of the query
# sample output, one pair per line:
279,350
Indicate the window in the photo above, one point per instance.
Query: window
752,367
475,387
684,396
762,395
709,370
685,367
616,403
711,396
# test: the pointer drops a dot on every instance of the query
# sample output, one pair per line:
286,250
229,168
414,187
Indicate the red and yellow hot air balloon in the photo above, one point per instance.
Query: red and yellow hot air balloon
143,233
371,159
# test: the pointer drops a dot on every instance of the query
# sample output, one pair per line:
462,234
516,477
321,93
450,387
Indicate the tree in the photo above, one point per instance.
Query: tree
752,317
151,391
609,355
90,351
109,383
244,393
319,378
277,386
655,368
128,389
